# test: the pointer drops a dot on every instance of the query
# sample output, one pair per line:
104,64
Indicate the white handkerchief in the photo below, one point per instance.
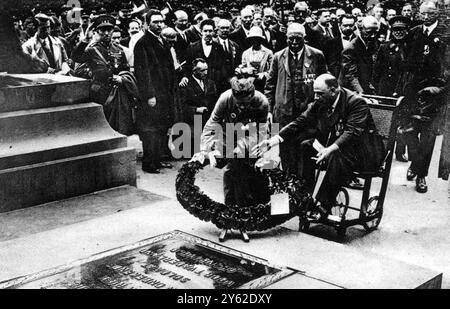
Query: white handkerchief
279,204
318,146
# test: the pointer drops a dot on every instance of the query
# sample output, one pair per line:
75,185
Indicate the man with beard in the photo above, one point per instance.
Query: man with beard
425,91
155,75
341,120
240,35
289,90
358,58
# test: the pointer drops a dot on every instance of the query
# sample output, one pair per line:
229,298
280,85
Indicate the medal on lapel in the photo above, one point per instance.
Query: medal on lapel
426,49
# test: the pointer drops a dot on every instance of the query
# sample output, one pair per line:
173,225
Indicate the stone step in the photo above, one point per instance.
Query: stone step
31,91
35,184
47,134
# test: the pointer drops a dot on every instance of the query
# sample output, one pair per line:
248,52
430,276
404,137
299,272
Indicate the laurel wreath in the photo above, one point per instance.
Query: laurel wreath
252,218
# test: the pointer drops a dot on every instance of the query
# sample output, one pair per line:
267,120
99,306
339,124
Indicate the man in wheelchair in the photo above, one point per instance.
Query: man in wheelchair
341,120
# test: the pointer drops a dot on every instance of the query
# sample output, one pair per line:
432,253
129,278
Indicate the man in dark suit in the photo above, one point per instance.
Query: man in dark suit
424,94
289,90
212,52
275,38
197,100
182,43
347,27
341,121
155,75
359,57
194,34
231,49
324,39
240,35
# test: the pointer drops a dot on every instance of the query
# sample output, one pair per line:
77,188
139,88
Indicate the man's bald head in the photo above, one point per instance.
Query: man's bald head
181,14
429,12
223,29
325,81
169,35
246,17
182,20
168,32
326,90
296,28
356,12
301,6
369,21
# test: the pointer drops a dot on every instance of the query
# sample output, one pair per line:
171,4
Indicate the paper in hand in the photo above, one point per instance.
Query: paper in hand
318,146
279,204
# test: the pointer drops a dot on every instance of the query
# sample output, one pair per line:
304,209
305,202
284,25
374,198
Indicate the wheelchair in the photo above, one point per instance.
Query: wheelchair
370,211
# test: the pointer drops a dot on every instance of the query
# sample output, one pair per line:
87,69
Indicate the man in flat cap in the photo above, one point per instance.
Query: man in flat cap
103,57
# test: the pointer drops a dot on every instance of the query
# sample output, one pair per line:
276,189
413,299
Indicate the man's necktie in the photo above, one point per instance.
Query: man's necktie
49,53
225,47
329,34
426,32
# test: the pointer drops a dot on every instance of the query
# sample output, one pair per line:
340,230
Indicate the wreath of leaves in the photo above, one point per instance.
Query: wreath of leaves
252,218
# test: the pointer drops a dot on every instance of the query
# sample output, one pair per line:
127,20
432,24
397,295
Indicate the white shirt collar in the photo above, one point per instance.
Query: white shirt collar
431,28
299,54
333,107
199,82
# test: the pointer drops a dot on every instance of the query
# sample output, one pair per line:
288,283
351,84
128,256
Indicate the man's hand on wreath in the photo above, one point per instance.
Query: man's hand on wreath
212,157
429,91
199,157
265,145
326,152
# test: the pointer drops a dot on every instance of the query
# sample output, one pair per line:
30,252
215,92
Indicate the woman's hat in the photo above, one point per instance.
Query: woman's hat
256,32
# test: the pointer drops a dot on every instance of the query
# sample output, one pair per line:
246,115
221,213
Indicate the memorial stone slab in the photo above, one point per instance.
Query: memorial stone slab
175,260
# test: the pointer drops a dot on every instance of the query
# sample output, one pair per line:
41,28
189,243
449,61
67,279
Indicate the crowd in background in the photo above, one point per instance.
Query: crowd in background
174,64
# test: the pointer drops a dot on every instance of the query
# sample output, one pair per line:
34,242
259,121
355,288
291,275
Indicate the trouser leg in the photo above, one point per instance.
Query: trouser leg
412,141
339,170
151,144
421,164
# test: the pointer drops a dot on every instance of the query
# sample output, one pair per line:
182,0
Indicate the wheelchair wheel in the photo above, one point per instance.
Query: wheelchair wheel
373,212
342,202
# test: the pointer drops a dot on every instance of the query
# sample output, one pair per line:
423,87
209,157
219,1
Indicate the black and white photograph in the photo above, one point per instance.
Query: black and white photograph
207,146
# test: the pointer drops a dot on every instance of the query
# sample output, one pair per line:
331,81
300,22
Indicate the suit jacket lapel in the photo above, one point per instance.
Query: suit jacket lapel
307,61
196,87
285,59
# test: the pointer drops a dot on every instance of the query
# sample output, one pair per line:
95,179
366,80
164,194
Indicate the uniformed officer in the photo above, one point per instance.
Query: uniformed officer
104,58
389,71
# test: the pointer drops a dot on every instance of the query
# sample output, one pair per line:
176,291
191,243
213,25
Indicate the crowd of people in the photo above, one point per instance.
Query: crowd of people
170,65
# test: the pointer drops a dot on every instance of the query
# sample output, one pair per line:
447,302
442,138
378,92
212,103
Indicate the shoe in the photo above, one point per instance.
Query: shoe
410,175
165,165
151,170
355,184
421,185
401,158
